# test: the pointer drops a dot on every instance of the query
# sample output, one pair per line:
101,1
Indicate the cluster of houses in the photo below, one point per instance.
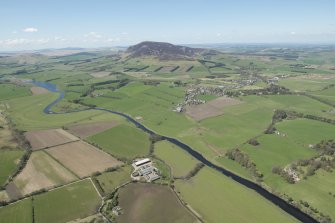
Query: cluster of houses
144,169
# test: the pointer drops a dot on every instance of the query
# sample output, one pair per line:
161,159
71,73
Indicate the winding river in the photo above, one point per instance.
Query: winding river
288,208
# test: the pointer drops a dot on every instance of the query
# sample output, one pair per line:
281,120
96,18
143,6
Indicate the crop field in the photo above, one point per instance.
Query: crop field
86,130
48,138
9,158
20,212
218,199
211,109
151,203
42,172
9,91
123,141
82,158
74,201
110,180
180,162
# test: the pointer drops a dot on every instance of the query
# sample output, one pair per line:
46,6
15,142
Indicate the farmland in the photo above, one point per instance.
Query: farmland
8,163
179,161
256,112
110,180
20,212
48,138
218,201
157,204
74,201
41,172
82,159
123,141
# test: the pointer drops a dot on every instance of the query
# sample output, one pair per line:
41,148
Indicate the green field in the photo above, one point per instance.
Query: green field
27,113
110,180
291,145
20,212
8,162
8,91
218,199
149,203
180,162
122,141
74,201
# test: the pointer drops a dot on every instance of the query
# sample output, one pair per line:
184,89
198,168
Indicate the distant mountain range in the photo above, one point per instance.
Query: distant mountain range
165,51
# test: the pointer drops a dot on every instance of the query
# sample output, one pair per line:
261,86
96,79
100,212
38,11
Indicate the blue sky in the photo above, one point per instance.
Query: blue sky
40,24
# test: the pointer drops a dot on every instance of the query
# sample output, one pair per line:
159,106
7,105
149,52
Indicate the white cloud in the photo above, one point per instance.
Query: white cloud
22,41
293,33
30,30
93,35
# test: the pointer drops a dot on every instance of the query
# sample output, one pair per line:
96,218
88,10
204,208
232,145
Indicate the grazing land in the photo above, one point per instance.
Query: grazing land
111,180
86,130
42,172
74,201
180,162
123,141
9,158
82,158
19,212
48,138
9,91
152,203
219,199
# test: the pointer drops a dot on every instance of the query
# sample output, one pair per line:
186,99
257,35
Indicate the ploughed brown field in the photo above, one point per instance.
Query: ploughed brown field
85,130
210,109
38,90
48,138
82,158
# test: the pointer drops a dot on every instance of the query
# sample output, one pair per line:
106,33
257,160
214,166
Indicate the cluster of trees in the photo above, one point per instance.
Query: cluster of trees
271,90
253,142
280,171
153,138
325,160
244,160
280,115
193,172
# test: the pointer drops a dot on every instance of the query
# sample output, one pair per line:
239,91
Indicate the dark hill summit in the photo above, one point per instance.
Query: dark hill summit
164,51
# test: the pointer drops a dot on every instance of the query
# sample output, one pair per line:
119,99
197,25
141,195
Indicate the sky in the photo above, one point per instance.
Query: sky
39,24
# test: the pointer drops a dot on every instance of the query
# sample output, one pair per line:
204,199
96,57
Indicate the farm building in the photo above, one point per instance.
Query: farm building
142,162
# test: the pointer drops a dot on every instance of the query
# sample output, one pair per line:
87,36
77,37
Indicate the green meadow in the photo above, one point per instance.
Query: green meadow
123,141
74,201
19,212
180,162
219,199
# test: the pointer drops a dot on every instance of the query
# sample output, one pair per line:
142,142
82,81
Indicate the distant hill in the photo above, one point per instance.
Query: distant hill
164,51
